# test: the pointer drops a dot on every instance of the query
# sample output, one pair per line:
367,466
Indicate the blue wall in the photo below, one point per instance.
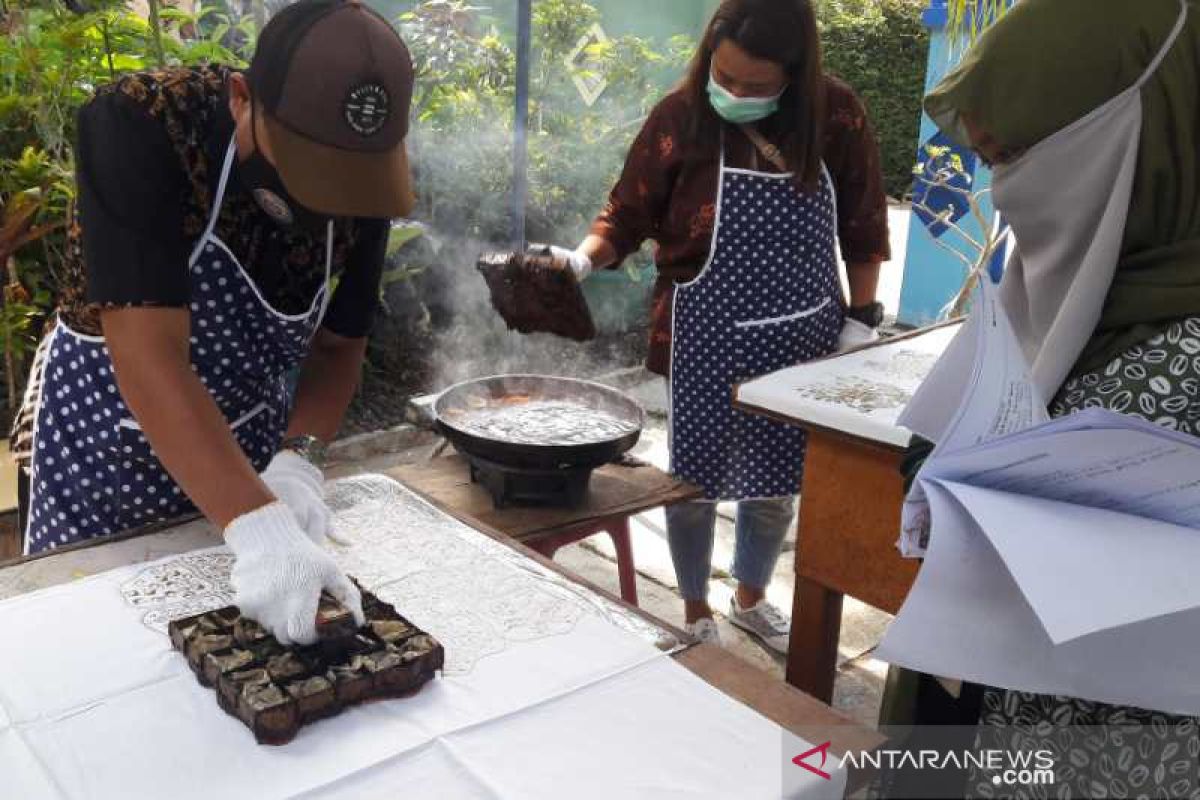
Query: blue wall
931,275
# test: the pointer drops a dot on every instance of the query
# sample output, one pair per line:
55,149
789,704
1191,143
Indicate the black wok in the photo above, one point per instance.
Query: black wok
509,389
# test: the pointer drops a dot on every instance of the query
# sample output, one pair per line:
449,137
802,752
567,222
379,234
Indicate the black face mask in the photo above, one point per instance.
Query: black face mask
266,187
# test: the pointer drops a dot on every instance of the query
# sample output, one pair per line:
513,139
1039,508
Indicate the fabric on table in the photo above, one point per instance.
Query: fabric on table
1111,749
610,728
23,774
550,692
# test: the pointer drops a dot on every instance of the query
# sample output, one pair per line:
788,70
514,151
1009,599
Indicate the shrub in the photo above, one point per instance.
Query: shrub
880,47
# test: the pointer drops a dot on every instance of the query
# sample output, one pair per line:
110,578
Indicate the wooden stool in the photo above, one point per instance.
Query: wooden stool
616,493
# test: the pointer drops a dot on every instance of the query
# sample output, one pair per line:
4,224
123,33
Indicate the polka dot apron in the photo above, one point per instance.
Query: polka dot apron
768,298
93,472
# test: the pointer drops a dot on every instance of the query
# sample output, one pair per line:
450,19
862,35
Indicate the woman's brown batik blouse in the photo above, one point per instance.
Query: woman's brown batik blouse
669,195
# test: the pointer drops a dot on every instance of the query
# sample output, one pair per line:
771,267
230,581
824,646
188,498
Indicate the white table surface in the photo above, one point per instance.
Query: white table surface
548,688
860,393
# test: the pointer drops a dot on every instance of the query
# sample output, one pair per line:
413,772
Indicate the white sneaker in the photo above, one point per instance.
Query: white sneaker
765,621
704,629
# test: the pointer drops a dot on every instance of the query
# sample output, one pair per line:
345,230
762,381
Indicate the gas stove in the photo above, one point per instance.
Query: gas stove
519,486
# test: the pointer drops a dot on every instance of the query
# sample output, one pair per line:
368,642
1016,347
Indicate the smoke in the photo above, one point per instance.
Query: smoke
461,149
470,340
464,181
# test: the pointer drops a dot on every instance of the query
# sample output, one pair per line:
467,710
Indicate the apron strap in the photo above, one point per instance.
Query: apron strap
832,197
325,293
1166,48
219,198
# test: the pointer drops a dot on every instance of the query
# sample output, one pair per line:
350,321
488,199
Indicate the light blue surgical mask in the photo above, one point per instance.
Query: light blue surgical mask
740,110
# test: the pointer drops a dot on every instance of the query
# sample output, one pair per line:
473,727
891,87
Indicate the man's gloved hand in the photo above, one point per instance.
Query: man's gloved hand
855,334
579,263
279,574
300,485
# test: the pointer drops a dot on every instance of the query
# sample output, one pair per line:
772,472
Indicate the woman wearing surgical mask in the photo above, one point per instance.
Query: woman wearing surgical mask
1089,112
747,177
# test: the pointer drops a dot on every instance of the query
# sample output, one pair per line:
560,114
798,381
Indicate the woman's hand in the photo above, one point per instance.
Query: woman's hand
578,262
855,334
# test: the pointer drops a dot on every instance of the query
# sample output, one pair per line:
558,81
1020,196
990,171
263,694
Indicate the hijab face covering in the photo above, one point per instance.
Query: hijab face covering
1109,166
740,110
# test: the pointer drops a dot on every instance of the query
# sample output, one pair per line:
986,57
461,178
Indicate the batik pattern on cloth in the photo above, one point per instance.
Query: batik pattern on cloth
1103,750
1157,381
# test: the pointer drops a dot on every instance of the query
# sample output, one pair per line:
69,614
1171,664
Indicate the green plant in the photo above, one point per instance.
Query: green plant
968,19
51,60
943,170
208,34
880,48
463,106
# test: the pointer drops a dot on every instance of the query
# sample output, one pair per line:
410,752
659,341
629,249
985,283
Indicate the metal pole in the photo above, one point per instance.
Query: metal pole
521,123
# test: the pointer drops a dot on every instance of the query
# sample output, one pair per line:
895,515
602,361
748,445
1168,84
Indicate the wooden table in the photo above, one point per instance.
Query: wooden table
616,493
785,705
846,545
849,521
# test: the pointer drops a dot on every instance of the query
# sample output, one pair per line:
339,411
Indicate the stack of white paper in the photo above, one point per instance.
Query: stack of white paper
1060,555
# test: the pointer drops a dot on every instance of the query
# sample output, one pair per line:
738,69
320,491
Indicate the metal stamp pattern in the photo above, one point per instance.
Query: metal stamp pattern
477,596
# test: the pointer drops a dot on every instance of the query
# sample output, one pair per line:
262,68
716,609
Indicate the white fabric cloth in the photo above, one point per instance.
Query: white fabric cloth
860,393
105,709
1067,200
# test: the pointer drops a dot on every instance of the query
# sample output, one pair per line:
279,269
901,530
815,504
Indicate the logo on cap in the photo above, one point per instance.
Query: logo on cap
366,109
275,206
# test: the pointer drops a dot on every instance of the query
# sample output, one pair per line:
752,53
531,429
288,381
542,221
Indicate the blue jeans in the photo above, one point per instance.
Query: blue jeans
761,527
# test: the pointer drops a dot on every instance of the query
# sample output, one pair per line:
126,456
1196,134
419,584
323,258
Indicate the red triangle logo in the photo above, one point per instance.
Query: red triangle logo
801,760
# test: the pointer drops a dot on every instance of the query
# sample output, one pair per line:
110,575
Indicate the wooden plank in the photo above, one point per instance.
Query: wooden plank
615,490
813,645
850,520
12,540
785,705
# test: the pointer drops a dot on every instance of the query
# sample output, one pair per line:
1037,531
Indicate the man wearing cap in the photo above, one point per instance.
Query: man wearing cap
215,209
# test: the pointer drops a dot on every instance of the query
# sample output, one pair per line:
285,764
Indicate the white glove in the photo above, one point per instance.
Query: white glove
279,574
299,483
579,263
855,334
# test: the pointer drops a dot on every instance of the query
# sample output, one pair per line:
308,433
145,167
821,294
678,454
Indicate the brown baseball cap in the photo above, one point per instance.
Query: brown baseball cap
334,82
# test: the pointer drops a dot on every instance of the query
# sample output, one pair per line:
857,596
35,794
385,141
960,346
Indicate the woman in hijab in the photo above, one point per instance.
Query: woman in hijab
1089,112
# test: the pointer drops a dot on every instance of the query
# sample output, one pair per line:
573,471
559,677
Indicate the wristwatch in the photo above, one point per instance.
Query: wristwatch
870,315
310,447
